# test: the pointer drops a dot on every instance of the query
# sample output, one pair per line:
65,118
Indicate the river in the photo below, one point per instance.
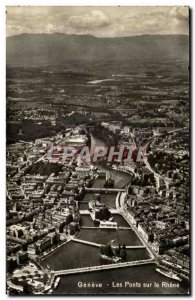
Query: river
74,255
139,274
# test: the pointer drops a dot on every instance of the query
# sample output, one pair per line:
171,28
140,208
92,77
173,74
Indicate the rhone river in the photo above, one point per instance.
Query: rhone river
139,276
130,280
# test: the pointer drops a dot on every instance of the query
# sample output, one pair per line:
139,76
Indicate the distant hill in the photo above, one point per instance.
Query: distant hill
37,49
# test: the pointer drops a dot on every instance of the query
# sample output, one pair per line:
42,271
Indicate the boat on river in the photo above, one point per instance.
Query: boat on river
169,274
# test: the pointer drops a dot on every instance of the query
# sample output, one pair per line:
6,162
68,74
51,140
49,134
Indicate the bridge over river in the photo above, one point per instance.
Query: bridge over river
99,245
116,190
87,212
104,267
99,228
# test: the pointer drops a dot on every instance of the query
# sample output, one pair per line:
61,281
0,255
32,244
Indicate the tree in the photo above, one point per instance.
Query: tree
123,254
109,251
118,250
106,250
105,213
69,219
102,250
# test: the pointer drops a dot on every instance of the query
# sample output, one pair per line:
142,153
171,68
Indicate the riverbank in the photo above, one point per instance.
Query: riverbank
86,256
120,206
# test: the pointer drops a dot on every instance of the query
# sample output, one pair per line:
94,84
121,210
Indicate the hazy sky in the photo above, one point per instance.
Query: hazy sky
98,21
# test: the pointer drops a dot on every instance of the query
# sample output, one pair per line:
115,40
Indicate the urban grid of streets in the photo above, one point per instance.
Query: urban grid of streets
53,217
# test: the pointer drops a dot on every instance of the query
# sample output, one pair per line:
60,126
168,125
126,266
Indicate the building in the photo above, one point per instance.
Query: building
147,235
108,224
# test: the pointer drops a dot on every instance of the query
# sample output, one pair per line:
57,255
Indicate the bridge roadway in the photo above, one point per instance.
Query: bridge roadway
96,227
104,267
99,245
87,212
104,190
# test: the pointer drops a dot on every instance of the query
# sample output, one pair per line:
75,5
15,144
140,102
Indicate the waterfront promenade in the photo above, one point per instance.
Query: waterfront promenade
120,207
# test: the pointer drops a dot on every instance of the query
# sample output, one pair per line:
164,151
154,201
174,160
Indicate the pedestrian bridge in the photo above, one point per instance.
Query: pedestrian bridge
87,212
104,267
99,245
96,227
104,190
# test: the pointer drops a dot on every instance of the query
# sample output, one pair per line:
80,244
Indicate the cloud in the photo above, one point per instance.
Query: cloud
98,21
180,12
92,20
160,20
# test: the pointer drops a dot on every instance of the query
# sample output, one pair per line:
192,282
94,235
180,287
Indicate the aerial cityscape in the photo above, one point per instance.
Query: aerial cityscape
98,151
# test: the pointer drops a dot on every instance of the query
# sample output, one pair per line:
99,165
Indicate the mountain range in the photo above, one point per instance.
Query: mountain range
56,48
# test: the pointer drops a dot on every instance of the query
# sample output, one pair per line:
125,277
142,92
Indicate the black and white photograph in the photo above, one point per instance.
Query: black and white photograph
98,150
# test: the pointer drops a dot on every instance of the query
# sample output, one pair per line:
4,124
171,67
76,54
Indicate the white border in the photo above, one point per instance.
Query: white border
3,5
97,2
